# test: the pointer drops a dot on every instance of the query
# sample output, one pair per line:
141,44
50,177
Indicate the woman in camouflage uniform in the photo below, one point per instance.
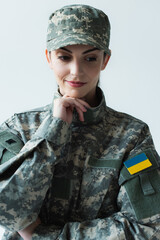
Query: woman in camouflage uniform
77,169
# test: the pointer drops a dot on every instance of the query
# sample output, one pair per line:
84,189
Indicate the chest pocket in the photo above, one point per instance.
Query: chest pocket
143,188
98,188
10,145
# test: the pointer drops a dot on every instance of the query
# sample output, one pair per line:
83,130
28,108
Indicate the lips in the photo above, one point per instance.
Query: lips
75,83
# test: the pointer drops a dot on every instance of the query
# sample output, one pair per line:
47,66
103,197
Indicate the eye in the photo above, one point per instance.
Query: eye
64,58
91,59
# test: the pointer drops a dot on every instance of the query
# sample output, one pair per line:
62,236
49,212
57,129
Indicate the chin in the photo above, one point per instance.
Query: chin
74,94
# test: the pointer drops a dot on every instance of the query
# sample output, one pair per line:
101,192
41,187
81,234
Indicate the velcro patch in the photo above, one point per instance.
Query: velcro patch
137,163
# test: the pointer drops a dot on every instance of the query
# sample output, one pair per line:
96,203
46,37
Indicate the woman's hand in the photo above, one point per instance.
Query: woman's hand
63,108
26,233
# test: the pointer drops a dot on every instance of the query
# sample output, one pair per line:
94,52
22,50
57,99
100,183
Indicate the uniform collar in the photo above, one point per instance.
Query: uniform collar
94,114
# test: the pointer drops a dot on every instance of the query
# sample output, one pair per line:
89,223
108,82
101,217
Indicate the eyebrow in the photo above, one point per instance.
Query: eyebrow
87,51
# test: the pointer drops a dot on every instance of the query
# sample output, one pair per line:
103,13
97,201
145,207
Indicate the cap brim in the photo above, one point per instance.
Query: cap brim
72,39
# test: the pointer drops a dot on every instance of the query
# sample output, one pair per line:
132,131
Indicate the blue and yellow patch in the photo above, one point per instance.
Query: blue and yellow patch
137,163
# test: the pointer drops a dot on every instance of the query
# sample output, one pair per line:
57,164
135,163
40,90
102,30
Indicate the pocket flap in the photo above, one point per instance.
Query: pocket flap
10,145
105,163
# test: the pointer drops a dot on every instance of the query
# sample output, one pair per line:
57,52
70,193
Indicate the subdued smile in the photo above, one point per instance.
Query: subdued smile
75,83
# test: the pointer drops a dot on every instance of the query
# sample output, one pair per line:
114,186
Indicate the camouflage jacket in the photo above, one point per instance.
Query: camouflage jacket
74,178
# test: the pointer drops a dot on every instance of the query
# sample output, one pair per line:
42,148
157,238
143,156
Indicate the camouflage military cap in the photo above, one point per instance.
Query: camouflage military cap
78,24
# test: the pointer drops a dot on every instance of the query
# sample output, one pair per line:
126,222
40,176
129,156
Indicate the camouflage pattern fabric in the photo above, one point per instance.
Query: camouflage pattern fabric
78,24
73,177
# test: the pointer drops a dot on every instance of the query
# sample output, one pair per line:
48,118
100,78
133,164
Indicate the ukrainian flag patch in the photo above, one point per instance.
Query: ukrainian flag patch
137,163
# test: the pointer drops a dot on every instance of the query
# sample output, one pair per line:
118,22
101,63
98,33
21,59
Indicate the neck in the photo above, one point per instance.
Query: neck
93,100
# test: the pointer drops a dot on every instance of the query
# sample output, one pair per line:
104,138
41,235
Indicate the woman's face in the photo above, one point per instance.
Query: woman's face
77,69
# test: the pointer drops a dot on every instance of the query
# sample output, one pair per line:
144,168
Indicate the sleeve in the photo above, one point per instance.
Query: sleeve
26,171
138,215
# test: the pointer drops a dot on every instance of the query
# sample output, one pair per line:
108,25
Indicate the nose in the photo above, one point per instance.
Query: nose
76,68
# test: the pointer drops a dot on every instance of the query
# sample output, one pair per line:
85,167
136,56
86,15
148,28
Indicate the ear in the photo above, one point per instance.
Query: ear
48,58
105,61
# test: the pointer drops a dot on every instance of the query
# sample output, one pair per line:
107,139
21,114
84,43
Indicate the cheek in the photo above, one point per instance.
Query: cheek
94,72
59,71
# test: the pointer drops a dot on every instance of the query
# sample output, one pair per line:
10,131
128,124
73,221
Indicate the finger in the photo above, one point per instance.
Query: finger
83,102
68,102
80,106
80,113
